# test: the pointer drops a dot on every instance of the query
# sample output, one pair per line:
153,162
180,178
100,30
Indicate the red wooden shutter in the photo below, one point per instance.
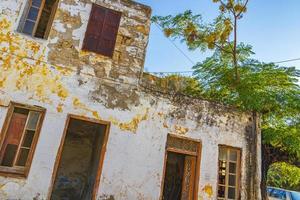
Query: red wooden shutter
16,128
13,135
102,31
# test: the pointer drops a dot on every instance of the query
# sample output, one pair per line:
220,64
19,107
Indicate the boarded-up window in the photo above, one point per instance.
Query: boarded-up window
20,131
229,173
38,17
102,30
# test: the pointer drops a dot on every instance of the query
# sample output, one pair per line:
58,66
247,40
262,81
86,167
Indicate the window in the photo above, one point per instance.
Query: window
38,17
19,137
83,144
102,30
229,170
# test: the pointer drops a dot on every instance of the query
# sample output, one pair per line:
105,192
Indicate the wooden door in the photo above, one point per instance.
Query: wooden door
188,182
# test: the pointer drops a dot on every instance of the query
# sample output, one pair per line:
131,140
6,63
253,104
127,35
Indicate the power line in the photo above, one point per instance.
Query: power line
186,56
180,50
186,72
177,72
284,61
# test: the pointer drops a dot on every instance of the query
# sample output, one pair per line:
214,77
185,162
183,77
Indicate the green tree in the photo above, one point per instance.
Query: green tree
231,76
283,175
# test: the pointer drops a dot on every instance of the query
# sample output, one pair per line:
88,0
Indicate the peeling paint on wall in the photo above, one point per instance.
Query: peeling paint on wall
132,125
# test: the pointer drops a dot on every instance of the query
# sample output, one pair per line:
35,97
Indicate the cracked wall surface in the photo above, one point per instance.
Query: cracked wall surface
57,75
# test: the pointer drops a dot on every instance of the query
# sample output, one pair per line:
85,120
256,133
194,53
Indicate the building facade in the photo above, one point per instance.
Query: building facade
78,122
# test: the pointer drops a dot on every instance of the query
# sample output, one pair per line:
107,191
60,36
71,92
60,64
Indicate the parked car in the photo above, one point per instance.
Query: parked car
281,194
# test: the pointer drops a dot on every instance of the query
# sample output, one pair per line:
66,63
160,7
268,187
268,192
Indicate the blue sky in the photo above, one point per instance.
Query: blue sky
272,27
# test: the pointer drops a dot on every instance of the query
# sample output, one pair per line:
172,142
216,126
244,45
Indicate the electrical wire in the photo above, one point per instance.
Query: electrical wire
188,58
173,43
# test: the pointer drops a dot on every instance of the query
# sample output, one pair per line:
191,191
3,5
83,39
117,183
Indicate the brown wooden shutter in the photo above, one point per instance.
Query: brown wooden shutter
102,31
188,184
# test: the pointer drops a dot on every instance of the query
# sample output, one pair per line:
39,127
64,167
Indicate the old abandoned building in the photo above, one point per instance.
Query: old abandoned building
78,122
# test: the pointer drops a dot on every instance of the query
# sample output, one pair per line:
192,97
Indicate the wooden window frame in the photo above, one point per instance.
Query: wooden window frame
189,153
101,155
21,172
238,173
50,22
85,46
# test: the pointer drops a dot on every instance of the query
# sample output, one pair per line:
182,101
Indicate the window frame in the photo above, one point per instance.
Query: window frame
238,172
24,17
18,171
102,153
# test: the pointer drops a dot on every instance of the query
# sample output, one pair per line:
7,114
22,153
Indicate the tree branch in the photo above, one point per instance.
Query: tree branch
222,48
235,59
231,10
244,7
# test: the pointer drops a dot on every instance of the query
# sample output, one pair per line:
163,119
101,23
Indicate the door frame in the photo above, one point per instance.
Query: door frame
179,151
102,153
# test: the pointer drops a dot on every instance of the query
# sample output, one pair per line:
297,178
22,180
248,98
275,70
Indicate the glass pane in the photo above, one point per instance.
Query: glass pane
223,154
232,168
222,179
231,193
36,3
9,155
33,13
232,179
222,167
21,111
23,157
28,27
43,21
221,191
28,139
33,120
233,155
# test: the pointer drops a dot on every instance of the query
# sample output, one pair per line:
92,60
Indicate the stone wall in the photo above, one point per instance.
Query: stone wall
57,75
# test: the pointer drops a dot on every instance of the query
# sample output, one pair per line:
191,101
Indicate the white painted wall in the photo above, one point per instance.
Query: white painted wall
133,164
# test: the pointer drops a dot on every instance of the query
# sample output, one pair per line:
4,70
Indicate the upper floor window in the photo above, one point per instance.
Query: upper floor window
19,137
102,31
229,173
38,17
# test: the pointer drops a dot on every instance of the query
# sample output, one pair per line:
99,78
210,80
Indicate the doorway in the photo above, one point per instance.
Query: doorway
79,161
181,173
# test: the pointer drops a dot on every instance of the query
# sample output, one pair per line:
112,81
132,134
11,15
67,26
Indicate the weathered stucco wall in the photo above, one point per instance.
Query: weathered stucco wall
58,76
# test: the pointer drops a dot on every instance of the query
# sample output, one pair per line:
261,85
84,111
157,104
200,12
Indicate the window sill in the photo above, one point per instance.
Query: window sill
32,38
14,172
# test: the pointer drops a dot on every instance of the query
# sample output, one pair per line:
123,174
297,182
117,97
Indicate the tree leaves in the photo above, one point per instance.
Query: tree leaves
266,88
194,32
283,175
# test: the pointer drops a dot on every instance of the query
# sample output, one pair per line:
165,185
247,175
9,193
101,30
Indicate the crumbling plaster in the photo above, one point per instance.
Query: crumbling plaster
58,76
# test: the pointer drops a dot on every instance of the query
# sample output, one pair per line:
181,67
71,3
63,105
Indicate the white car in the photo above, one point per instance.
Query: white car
281,194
